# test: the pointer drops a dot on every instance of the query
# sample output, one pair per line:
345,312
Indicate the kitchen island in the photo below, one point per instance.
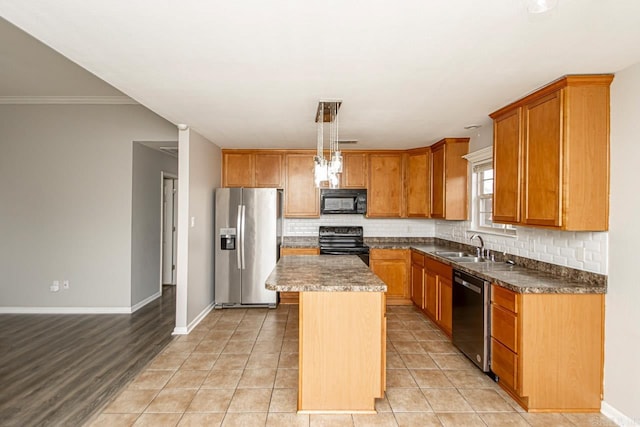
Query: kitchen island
342,331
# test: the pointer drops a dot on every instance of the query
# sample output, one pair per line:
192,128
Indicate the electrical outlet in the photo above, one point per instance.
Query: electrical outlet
55,286
65,284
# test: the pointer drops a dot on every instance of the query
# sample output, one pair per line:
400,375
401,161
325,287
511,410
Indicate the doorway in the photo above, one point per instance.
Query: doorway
169,230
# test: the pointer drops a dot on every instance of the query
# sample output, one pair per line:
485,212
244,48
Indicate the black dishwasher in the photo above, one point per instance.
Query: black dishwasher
471,317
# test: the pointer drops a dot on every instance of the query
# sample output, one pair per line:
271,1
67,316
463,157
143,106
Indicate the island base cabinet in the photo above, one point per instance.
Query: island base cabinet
547,349
341,351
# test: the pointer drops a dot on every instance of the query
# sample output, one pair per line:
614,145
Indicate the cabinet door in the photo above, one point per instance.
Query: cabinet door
385,191
268,170
417,285
446,303
543,152
301,195
393,266
437,182
507,165
238,170
393,272
431,295
418,185
354,170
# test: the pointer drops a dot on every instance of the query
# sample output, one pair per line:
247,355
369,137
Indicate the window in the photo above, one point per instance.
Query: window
482,196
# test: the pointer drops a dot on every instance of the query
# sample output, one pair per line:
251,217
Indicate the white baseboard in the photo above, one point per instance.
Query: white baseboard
617,417
181,330
145,301
65,310
80,310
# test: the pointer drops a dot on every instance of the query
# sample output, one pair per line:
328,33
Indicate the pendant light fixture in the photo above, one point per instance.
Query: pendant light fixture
541,6
331,168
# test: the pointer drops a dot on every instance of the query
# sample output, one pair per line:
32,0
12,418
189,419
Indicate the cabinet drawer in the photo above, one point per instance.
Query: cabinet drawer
417,258
439,268
377,254
299,251
504,298
504,363
504,327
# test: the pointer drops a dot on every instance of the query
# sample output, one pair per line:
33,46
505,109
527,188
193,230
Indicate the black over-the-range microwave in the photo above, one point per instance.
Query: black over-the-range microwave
343,201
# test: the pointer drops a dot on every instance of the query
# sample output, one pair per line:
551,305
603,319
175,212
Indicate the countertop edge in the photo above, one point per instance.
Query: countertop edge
311,288
576,288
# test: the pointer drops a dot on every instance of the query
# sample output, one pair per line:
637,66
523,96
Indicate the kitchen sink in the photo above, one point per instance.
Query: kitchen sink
445,254
466,258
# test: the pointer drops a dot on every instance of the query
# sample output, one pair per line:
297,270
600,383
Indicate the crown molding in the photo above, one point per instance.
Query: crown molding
480,155
63,100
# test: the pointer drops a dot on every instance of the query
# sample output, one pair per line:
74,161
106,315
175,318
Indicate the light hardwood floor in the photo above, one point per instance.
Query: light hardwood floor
58,370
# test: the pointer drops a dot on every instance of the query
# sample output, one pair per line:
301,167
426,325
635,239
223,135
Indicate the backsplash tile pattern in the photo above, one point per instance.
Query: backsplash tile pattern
579,250
584,250
371,227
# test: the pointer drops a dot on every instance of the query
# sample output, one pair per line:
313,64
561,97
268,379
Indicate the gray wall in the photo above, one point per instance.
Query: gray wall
622,336
199,176
148,165
66,201
205,160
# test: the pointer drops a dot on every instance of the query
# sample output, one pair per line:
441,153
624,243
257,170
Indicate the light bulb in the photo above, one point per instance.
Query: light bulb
541,6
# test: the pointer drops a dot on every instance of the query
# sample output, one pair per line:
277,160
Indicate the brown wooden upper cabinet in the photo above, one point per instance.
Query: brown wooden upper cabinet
354,170
449,179
419,183
551,156
252,169
507,159
385,195
302,198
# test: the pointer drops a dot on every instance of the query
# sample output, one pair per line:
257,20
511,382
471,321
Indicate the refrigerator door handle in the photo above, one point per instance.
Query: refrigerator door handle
242,238
239,236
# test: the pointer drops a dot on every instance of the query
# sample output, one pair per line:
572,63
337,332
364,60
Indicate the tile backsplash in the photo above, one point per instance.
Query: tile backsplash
582,250
371,227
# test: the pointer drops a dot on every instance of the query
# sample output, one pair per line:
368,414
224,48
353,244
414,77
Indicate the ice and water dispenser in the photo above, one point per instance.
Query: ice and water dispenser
228,239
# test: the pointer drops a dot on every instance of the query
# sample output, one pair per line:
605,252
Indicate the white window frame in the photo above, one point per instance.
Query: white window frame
480,161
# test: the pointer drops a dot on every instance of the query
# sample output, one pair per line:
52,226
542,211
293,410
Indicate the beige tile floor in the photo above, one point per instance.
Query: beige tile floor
239,368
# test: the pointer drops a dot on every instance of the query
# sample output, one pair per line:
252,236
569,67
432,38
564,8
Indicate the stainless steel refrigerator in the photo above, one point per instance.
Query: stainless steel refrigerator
248,227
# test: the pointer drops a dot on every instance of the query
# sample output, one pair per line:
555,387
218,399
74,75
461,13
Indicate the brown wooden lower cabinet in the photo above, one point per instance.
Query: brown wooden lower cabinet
547,349
417,279
293,297
438,293
392,266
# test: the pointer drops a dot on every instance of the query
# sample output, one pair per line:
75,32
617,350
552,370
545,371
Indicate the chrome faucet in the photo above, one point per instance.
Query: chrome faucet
480,249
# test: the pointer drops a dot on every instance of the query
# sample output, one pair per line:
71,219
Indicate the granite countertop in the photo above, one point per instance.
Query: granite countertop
530,277
322,273
516,278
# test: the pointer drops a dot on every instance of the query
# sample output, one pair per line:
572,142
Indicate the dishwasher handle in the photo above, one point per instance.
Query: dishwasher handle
468,285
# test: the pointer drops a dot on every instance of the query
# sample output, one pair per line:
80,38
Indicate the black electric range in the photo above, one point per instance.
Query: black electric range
347,240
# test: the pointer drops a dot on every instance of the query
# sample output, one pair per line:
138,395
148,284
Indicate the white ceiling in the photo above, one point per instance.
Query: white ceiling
249,73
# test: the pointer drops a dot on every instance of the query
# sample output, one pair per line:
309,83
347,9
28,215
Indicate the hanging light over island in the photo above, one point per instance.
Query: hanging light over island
331,168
